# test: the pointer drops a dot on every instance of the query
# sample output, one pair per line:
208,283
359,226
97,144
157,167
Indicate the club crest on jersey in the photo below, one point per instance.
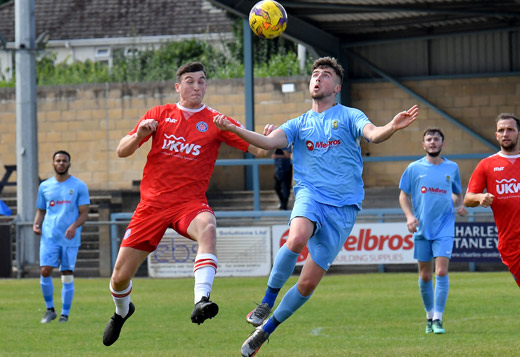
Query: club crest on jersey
335,124
202,126
71,192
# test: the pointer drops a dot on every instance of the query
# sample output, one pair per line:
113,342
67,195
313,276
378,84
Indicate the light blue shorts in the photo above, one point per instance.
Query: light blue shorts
427,249
333,226
52,255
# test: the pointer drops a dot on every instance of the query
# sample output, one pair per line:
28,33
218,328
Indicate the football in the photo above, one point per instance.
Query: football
268,19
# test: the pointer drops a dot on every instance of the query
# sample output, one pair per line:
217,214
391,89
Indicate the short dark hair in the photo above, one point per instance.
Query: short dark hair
61,152
190,68
330,62
432,130
505,116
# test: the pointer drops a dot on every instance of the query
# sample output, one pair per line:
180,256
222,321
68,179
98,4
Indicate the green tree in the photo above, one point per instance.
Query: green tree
274,58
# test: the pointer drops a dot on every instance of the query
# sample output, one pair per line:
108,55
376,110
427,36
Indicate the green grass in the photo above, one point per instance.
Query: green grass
349,315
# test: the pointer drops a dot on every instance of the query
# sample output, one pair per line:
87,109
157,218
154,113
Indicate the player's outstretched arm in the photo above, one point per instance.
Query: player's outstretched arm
275,139
378,134
130,143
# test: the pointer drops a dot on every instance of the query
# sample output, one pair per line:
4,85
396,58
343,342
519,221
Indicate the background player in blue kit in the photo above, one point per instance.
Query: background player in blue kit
62,206
433,185
328,189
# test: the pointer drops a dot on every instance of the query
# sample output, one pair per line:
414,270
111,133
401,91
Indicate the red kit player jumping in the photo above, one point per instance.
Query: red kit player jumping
182,157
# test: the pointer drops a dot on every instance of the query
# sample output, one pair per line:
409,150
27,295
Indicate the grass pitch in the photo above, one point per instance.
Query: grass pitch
349,315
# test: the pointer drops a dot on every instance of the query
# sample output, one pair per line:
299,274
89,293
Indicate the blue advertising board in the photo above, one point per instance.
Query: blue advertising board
475,241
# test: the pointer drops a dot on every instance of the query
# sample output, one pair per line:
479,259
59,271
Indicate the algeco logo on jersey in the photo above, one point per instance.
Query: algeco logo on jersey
506,186
320,145
178,144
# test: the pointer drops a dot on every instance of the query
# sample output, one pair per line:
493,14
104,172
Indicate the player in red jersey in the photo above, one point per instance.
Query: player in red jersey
185,144
499,175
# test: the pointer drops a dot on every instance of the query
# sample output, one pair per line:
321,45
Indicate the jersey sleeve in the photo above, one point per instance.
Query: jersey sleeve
234,140
83,196
477,182
290,128
456,186
40,200
405,183
151,114
359,121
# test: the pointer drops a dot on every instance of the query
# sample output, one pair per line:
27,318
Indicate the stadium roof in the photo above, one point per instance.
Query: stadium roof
328,25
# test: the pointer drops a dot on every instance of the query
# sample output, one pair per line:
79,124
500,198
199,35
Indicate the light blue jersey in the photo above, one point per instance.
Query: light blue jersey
326,155
431,187
61,201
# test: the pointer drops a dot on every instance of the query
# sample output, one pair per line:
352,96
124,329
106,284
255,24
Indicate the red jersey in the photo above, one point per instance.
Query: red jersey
183,154
500,175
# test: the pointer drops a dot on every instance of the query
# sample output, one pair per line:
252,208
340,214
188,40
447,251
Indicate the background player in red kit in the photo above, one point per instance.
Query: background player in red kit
499,175
182,157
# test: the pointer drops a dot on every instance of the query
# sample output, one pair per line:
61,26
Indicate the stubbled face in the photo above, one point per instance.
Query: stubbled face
192,88
507,135
61,164
324,83
433,144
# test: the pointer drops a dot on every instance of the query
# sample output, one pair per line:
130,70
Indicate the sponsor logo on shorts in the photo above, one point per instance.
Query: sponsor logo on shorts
127,233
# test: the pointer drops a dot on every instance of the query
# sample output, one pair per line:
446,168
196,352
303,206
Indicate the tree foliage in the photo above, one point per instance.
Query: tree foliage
272,58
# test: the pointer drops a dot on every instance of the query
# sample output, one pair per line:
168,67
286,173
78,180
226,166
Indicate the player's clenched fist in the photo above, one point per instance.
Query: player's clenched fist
223,123
146,127
486,199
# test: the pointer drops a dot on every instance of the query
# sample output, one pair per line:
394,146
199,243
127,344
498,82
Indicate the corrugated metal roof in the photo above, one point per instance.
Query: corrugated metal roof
370,20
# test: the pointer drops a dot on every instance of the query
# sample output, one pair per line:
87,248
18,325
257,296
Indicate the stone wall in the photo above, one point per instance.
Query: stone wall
89,120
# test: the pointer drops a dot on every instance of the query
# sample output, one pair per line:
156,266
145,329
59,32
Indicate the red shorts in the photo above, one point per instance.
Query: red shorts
148,223
512,260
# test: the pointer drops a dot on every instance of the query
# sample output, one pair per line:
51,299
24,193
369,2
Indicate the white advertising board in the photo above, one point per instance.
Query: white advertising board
368,243
241,252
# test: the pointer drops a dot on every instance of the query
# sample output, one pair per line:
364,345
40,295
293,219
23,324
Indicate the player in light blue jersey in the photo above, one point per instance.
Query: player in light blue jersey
62,208
432,184
329,190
